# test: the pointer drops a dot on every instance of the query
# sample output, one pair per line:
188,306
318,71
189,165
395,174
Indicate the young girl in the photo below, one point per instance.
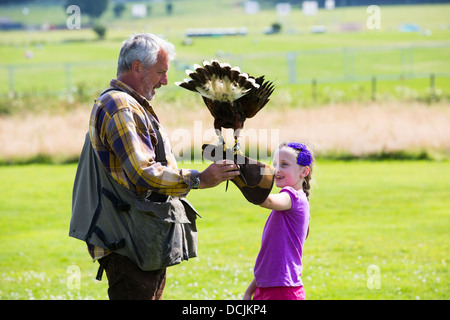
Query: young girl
278,266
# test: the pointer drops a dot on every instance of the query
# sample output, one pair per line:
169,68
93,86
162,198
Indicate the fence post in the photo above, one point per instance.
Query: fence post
11,70
348,58
69,78
314,89
403,61
411,61
407,61
292,67
432,88
374,88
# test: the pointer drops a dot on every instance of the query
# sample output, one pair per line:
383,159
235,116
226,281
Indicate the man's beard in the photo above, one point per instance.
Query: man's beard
151,94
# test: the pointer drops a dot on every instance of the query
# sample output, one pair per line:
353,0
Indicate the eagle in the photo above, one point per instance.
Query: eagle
230,95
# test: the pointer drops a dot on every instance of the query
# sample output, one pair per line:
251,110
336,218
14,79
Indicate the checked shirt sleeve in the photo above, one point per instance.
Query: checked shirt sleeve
132,140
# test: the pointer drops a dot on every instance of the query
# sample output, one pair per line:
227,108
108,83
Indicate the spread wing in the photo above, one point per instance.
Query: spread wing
257,98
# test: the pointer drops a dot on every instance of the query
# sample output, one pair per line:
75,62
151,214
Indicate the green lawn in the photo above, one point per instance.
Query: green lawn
392,215
74,58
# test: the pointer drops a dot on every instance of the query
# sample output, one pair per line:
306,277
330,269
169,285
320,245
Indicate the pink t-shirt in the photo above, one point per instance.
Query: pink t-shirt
279,262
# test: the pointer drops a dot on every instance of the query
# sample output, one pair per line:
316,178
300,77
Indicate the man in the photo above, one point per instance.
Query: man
130,143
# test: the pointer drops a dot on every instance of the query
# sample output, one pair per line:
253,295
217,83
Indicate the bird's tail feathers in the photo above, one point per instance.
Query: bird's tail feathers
219,81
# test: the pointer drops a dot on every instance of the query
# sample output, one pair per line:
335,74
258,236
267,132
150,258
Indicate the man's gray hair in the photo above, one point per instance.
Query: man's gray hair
143,47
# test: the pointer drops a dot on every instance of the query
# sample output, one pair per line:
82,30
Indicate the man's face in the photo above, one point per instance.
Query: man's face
154,77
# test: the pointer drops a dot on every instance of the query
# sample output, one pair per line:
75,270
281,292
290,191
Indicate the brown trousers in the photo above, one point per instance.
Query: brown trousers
127,282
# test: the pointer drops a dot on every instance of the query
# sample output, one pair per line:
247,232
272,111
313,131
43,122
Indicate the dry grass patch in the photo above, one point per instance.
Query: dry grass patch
351,129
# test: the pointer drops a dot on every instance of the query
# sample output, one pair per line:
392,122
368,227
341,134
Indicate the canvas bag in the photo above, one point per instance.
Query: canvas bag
153,234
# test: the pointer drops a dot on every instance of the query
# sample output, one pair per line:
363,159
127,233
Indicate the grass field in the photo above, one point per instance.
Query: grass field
392,215
64,58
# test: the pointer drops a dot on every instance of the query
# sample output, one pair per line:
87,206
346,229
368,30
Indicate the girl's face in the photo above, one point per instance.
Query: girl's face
288,172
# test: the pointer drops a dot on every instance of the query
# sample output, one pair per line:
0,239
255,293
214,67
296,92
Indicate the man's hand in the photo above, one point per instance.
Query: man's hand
216,173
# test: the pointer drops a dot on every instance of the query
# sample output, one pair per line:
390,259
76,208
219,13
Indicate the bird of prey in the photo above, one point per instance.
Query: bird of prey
231,96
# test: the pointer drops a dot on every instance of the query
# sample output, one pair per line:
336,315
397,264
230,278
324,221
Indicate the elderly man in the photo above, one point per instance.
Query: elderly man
129,201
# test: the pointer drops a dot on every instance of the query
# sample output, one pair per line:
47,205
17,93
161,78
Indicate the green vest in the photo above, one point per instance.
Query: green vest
152,234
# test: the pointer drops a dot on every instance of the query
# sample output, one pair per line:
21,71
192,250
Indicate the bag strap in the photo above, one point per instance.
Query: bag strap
160,156
159,148
118,203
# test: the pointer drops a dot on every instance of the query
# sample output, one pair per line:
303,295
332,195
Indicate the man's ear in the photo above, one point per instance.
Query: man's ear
136,67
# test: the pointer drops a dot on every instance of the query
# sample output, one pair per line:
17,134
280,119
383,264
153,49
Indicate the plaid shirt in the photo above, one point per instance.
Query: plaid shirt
124,139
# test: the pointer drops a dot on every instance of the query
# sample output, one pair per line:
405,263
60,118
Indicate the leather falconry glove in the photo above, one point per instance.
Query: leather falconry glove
255,180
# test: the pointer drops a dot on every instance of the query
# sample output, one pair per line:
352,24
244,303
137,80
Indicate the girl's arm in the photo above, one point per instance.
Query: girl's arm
279,202
250,290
